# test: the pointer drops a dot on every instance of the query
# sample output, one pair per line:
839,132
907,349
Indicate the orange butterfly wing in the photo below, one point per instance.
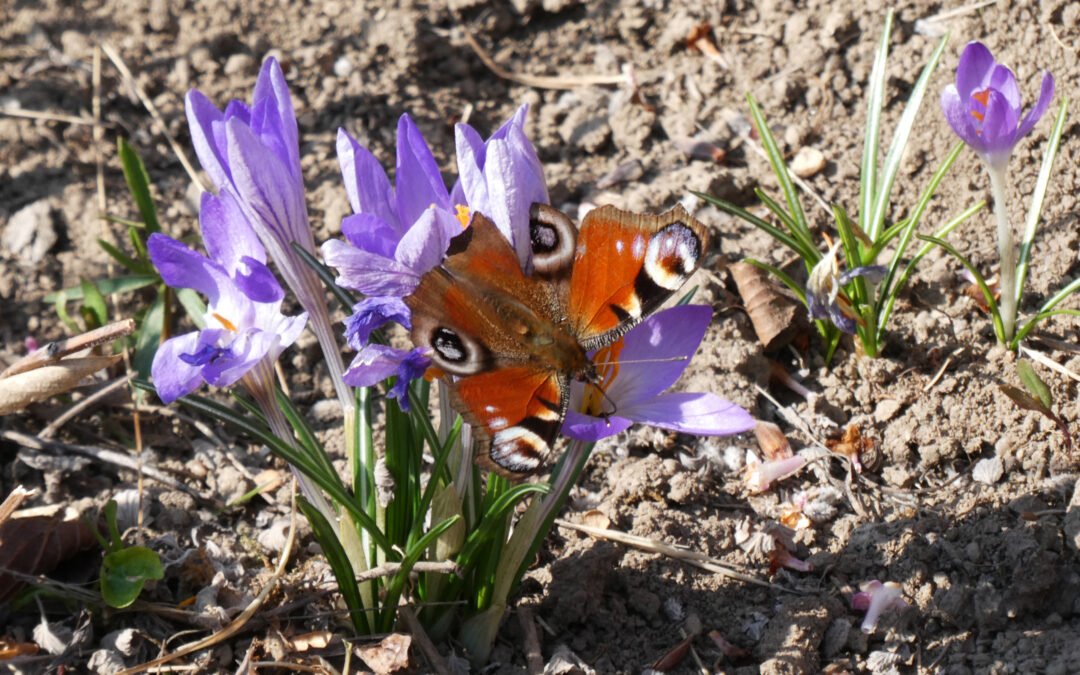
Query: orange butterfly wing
626,265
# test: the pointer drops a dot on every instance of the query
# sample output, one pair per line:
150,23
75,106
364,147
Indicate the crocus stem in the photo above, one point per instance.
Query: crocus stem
1006,250
258,382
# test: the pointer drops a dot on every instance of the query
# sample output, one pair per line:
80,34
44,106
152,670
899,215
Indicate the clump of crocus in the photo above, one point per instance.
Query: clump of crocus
824,297
984,108
760,475
635,372
252,153
876,597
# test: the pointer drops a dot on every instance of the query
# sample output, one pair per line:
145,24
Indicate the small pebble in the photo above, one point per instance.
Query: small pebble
988,471
807,162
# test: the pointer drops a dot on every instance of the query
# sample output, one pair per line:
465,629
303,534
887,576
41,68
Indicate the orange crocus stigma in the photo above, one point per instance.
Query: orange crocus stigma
229,325
984,98
463,214
607,368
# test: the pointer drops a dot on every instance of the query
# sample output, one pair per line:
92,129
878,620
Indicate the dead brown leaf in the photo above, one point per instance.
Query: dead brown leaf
36,545
389,655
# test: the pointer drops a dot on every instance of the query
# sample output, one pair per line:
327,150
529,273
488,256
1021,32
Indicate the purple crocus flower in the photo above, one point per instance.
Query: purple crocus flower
397,233
636,371
825,300
245,330
253,153
984,106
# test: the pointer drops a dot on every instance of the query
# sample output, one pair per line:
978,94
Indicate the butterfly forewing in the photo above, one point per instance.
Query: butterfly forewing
626,265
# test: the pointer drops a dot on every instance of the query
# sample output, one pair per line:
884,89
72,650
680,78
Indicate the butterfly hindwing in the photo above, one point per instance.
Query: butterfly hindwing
516,414
626,265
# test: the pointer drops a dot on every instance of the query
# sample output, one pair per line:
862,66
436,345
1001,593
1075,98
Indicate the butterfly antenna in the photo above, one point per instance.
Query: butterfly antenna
668,359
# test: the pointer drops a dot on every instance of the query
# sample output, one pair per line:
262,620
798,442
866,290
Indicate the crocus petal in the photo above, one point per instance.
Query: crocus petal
271,88
248,349
666,340
173,377
511,192
973,71
998,129
366,183
371,233
273,201
1046,93
226,232
958,115
588,428
419,183
425,244
368,273
373,364
413,365
817,306
690,413
470,163
841,320
872,273
207,137
257,282
1003,81
372,313
180,267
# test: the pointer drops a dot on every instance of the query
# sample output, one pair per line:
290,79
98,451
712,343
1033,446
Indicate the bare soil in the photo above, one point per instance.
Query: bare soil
986,553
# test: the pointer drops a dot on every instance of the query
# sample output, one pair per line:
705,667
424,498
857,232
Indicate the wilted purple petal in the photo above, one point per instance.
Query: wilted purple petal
373,364
872,273
412,366
370,314
368,273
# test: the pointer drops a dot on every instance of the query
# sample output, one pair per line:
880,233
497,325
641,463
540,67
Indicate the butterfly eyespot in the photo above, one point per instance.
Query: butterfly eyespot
553,237
448,345
672,256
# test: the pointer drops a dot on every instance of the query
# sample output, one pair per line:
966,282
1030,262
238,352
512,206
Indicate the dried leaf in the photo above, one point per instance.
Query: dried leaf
391,654
36,545
674,656
23,389
776,318
729,649
773,443
853,444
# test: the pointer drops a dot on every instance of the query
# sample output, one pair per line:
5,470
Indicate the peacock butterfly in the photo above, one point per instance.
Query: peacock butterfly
507,343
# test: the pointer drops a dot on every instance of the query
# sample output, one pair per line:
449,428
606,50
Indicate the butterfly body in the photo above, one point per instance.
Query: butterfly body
513,341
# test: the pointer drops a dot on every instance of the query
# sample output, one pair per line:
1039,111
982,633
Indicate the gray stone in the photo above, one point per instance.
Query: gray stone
31,232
